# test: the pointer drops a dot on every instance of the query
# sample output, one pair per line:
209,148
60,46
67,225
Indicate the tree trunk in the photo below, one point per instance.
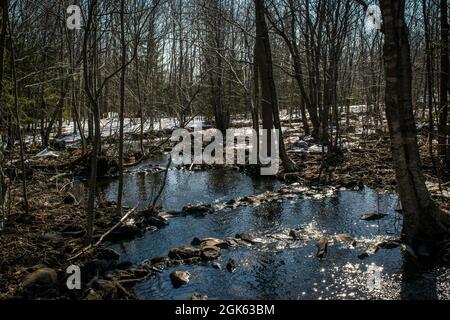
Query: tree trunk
444,149
19,128
122,103
423,221
93,114
3,186
269,103
429,77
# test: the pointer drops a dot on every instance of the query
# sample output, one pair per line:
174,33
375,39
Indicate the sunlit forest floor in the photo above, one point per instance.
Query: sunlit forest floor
35,250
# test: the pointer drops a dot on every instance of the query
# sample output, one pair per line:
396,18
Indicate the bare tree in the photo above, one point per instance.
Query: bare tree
269,99
424,222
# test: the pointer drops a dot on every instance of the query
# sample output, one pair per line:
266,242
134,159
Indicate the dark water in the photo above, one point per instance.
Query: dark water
277,268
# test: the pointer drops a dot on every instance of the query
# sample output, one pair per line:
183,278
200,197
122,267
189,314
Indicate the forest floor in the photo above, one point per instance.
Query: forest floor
35,250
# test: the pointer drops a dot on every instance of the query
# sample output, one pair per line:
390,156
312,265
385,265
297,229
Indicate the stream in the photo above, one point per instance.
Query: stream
277,267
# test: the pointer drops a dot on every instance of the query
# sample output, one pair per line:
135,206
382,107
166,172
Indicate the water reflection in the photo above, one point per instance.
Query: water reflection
419,281
280,268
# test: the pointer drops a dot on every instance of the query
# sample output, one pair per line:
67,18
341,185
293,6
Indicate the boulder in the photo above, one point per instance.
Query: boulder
196,241
40,280
179,278
93,295
346,239
322,247
184,253
193,261
139,273
159,259
232,242
125,232
210,253
106,289
156,221
212,242
246,238
389,244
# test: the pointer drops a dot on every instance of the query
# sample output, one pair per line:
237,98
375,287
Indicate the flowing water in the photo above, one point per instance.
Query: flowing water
278,267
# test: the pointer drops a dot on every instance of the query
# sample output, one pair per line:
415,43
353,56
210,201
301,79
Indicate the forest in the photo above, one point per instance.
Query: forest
314,137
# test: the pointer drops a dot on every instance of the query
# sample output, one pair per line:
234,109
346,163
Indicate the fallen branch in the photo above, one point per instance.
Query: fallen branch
92,246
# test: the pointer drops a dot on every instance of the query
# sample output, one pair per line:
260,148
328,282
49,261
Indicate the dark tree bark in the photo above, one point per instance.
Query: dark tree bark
423,220
4,8
444,149
122,103
269,99
3,119
214,59
94,110
290,38
429,76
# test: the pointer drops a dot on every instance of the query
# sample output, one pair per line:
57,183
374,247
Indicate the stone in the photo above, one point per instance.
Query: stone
216,265
196,241
158,259
232,242
389,244
246,237
93,295
210,253
231,265
139,273
296,235
346,238
179,278
40,280
199,297
106,289
125,232
193,261
197,209
156,221
322,247
373,216
212,242
184,253
363,256
107,254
